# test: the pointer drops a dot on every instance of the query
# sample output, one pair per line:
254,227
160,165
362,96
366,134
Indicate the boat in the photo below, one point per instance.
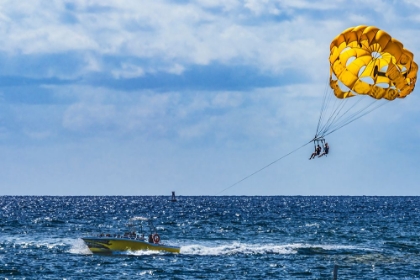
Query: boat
129,241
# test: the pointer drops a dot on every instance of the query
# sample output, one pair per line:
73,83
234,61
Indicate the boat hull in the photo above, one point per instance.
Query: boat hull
109,245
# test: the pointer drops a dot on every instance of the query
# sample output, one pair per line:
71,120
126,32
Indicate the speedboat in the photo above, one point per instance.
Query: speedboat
129,241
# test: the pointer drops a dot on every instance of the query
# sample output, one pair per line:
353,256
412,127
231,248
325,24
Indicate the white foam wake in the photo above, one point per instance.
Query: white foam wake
247,249
78,246
236,248
71,245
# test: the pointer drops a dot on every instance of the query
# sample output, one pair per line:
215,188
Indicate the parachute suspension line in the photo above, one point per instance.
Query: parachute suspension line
334,105
335,114
354,114
345,119
338,116
338,105
325,104
325,101
341,114
261,169
358,117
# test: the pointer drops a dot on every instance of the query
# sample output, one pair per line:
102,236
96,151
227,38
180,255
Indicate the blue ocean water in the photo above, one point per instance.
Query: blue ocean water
236,237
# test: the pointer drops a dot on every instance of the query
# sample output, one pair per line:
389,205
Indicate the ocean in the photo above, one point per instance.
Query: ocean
221,237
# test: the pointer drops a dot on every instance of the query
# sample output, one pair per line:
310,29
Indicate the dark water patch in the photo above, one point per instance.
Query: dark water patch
404,246
312,251
10,272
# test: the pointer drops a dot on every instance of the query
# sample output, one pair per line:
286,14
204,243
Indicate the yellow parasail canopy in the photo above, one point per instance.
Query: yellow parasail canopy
365,60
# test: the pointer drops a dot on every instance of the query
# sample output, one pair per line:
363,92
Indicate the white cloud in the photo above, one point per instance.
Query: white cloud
36,28
225,5
128,71
193,131
82,117
227,99
175,35
414,3
182,117
92,64
176,69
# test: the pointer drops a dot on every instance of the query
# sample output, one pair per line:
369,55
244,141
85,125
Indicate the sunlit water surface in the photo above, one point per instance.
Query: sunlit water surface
277,237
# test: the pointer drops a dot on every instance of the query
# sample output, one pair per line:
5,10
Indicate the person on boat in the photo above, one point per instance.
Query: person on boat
150,238
317,152
326,150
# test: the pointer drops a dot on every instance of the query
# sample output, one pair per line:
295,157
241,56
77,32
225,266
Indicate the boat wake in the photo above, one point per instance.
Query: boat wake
252,249
58,245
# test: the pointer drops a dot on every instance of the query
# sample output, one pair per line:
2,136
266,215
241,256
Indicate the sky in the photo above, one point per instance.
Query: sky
110,97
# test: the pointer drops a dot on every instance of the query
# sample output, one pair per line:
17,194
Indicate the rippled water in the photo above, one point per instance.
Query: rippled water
220,237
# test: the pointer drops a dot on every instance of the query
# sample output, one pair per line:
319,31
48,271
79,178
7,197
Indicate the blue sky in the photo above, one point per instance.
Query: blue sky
149,97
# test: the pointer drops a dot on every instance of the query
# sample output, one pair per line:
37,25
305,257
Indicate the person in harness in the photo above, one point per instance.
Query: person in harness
317,152
326,150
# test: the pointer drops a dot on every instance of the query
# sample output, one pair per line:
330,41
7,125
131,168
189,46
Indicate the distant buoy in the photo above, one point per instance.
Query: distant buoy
173,197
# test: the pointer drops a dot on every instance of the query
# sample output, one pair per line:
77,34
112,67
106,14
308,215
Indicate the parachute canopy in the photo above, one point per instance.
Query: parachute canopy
365,60
366,63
